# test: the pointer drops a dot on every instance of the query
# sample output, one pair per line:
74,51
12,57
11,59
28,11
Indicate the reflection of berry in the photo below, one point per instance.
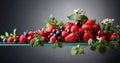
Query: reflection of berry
102,49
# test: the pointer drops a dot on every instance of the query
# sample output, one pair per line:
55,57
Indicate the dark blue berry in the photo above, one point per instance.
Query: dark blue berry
15,40
25,34
54,31
51,34
58,33
68,30
55,35
4,40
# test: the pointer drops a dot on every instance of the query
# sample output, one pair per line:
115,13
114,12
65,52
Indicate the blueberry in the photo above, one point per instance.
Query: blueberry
51,34
25,34
54,31
15,40
68,30
4,40
58,33
61,30
62,27
119,41
55,35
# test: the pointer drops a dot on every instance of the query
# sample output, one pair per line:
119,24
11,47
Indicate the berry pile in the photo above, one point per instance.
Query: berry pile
78,29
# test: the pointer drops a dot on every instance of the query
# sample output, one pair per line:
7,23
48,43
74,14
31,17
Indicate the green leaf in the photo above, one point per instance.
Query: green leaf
2,36
14,32
90,42
6,34
81,51
36,41
83,18
103,42
60,24
92,48
74,51
78,46
71,17
114,44
57,44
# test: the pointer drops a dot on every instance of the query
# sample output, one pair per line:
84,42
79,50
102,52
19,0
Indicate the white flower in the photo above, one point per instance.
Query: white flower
78,11
99,38
107,20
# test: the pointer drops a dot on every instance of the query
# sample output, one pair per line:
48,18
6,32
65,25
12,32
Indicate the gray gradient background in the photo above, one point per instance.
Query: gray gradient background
30,14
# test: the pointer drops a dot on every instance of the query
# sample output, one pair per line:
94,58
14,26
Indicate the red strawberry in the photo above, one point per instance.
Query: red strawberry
104,38
52,39
64,33
29,38
95,27
41,32
108,34
81,32
50,27
10,40
17,37
46,33
114,36
68,25
86,27
22,39
90,22
100,33
87,36
74,29
45,38
72,37
31,33
60,38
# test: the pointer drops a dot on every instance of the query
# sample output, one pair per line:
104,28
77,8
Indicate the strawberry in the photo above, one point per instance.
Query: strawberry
10,40
60,38
108,34
72,37
114,36
95,27
30,33
87,36
29,38
52,39
22,39
41,32
90,22
64,33
46,33
100,33
50,27
104,38
86,27
17,37
68,25
45,38
74,29
81,32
